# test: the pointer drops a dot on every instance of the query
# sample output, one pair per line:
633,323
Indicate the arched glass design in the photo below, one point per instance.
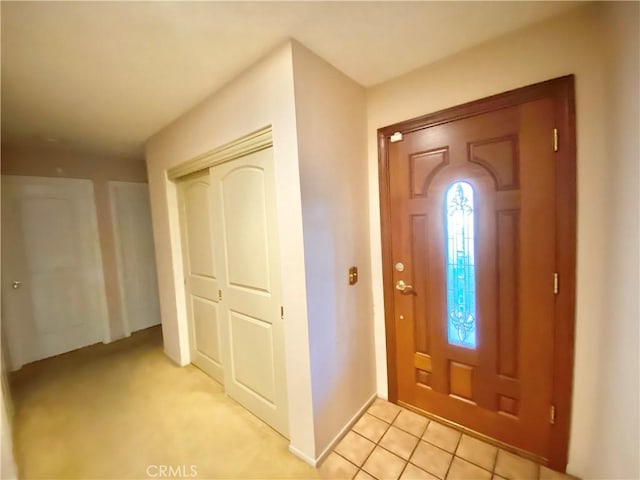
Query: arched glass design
461,272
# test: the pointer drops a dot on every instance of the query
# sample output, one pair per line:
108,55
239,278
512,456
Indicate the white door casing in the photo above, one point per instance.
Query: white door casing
245,234
201,281
50,244
135,255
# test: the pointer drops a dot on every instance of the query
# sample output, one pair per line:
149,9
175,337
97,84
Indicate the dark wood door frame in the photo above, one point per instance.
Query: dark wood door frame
562,91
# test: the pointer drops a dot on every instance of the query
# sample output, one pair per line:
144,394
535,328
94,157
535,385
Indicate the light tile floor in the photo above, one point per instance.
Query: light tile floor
389,443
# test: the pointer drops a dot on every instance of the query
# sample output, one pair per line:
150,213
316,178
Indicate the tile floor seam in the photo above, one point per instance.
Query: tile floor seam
404,468
438,447
345,458
414,448
406,462
412,434
380,418
376,444
495,463
407,431
453,456
474,464
429,471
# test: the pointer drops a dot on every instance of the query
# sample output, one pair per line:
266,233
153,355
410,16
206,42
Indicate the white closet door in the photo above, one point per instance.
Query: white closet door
52,279
201,277
246,246
131,215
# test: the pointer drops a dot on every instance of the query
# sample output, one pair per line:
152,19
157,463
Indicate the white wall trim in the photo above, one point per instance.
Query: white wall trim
97,252
175,244
115,189
112,186
240,147
305,458
336,439
346,429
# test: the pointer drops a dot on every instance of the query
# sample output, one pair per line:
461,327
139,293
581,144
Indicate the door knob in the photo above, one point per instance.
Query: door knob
16,284
405,289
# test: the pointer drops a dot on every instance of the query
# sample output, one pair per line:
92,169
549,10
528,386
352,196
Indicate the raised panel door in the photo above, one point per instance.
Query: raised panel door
472,217
243,192
202,283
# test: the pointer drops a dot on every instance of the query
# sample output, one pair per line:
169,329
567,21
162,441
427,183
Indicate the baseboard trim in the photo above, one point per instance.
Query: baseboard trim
305,458
572,471
344,431
178,362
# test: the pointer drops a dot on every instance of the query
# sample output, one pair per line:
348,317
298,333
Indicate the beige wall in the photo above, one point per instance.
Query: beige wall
330,119
320,164
46,163
261,96
569,44
614,447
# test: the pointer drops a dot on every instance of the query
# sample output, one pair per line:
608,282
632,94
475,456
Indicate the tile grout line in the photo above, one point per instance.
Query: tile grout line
414,448
345,458
438,447
453,456
375,443
420,438
359,467
495,463
473,463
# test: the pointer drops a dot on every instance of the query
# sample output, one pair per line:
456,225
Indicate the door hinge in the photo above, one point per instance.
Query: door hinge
555,139
219,295
281,312
556,286
552,415
396,137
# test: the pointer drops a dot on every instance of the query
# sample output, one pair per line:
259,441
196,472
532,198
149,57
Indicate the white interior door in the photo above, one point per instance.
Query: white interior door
201,279
52,279
133,235
246,246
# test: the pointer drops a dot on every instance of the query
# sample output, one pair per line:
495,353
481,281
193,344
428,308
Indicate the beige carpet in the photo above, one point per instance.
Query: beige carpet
124,410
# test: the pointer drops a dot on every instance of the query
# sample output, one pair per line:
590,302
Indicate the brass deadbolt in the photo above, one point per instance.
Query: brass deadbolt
353,275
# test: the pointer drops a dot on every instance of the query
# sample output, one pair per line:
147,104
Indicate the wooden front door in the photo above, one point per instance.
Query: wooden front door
476,207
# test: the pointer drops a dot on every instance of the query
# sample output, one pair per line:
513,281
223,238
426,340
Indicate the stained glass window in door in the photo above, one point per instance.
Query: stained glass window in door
461,274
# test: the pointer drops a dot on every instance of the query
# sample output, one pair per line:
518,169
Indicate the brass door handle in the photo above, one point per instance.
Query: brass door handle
405,289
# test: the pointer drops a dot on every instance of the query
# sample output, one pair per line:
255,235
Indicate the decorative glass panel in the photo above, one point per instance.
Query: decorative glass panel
461,274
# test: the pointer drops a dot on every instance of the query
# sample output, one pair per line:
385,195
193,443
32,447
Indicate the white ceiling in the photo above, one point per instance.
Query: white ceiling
104,76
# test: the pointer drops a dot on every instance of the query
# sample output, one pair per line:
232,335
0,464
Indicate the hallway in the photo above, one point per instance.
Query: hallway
124,410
